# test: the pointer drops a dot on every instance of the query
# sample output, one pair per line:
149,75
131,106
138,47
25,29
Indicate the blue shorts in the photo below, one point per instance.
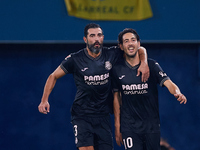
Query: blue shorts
90,131
146,141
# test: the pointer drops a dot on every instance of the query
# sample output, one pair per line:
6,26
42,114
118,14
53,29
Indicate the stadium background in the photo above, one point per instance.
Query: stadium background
35,36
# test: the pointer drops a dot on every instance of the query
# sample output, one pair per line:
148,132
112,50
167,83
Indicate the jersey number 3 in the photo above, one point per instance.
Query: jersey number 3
76,133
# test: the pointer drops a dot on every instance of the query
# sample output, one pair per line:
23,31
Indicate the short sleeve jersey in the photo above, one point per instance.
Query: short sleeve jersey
139,109
92,79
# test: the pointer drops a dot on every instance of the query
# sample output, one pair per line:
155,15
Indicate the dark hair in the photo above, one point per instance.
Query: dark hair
91,25
127,30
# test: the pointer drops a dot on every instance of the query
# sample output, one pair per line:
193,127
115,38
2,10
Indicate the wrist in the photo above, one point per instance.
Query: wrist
44,100
143,62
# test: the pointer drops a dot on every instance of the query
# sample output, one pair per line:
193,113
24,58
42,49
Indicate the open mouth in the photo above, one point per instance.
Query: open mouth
131,49
97,44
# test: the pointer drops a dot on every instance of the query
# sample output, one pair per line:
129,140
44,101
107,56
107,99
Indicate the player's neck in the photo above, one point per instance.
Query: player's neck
133,61
93,54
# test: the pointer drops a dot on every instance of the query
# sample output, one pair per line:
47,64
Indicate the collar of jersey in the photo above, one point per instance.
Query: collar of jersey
134,67
86,53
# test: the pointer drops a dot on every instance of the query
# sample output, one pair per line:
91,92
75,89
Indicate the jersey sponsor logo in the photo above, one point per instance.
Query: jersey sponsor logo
97,79
162,74
122,77
135,89
135,86
84,69
108,65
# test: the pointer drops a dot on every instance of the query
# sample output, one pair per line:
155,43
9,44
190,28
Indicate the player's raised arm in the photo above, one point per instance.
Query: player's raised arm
144,68
173,89
44,106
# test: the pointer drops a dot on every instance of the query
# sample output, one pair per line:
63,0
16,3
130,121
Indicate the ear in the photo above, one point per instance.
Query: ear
121,47
138,43
85,39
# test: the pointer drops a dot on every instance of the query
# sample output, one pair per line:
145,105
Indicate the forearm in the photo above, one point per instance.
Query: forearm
50,83
142,54
143,68
172,87
174,90
116,106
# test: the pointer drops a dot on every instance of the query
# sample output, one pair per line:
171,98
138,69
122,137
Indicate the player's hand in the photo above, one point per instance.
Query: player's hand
181,98
44,107
118,138
144,69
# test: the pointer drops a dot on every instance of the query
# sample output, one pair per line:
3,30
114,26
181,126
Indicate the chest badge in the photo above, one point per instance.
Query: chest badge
108,65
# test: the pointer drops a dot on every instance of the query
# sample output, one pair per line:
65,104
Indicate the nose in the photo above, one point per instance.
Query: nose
130,42
96,38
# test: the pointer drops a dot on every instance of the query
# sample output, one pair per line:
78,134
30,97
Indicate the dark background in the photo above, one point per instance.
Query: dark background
25,68
35,36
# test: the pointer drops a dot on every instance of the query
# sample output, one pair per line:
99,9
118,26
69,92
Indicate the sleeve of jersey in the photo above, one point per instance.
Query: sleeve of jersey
160,74
67,64
117,52
115,86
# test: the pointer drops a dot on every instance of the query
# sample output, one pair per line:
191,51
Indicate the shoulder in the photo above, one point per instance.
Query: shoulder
152,62
72,57
111,49
75,55
78,53
113,52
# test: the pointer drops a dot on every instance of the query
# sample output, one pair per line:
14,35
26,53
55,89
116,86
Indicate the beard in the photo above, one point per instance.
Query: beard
94,49
133,55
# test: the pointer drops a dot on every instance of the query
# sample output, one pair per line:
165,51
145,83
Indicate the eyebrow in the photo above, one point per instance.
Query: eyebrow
131,38
97,34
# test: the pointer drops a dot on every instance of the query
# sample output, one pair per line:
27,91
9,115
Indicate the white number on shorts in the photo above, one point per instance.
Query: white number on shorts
75,130
128,142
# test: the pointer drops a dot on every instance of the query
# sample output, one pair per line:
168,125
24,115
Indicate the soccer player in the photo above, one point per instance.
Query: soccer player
136,111
91,71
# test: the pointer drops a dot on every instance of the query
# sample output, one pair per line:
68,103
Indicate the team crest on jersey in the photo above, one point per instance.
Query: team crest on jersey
108,65
67,57
162,74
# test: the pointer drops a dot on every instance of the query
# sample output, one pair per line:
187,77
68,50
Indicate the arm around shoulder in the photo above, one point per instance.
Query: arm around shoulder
144,68
142,54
